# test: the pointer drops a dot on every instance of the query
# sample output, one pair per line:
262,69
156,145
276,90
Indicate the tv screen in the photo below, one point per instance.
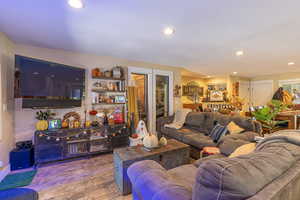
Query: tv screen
47,84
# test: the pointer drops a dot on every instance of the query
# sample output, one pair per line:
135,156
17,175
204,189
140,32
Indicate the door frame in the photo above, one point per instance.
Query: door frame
171,96
149,73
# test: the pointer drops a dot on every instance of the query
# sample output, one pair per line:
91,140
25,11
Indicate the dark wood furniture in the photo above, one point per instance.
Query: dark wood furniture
61,144
292,118
170,156
193,106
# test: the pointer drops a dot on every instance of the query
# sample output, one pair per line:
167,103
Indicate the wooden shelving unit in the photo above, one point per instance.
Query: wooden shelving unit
107,89
109,78
108,104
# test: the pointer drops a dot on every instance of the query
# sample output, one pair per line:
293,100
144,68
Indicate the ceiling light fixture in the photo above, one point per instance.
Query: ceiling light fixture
239,53
76,3
208,76
234,73
291,63
169,31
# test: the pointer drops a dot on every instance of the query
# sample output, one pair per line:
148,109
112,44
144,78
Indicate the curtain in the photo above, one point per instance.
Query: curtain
132,105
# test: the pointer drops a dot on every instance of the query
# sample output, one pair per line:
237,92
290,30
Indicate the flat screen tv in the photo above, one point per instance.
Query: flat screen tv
44,84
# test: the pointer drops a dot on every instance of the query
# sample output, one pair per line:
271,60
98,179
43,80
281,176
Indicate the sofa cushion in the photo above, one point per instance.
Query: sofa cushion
218,132
178,134
243,150
241,177
184,175
233,128
198,140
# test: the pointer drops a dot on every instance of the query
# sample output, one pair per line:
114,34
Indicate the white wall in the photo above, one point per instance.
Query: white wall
6,100
25,118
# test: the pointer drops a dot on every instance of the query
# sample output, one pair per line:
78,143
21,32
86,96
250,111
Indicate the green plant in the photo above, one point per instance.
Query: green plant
40,115
267,115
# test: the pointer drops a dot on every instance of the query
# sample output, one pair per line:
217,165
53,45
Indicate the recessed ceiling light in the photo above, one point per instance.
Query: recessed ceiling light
208,76
291,63
239,53
169,31
75,3
234,73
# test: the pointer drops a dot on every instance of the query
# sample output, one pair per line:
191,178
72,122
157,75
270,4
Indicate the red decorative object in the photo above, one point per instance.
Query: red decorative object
134,136
118,117
93,112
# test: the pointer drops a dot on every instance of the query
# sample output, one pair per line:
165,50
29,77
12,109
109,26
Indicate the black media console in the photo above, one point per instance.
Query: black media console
61,144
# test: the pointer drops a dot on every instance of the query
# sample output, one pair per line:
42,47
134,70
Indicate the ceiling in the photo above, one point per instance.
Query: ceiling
208,32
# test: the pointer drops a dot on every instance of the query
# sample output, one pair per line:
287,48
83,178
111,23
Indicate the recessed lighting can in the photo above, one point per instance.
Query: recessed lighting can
291,63
169,31
234,73
76,3
239,53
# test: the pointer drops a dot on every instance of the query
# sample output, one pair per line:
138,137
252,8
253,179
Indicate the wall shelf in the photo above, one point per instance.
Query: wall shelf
108,104
109,78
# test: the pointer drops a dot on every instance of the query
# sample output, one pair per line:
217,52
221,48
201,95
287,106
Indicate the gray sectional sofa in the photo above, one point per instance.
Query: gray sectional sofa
271,172
198,125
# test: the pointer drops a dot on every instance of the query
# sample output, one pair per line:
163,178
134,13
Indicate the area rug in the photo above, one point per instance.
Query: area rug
17,180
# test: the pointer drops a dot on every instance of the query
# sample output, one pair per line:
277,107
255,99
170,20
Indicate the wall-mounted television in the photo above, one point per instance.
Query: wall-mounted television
44,84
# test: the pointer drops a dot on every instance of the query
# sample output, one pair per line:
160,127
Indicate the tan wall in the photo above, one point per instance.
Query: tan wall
6,98
277,77
200,81
25,121
216,80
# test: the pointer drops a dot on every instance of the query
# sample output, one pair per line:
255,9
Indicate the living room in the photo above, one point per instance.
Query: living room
149,100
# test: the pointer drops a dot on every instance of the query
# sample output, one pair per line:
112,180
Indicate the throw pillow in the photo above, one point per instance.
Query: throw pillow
233,128
243,150
217,132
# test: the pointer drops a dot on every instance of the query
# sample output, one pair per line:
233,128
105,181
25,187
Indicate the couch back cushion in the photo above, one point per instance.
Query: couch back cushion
241,177
205,121
197,121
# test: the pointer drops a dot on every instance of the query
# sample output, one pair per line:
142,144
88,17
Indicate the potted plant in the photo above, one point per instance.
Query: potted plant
267,115
43,117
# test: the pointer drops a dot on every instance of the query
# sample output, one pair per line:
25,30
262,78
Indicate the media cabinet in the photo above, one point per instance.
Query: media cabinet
62,144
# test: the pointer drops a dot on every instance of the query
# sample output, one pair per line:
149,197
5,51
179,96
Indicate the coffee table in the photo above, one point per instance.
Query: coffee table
170,156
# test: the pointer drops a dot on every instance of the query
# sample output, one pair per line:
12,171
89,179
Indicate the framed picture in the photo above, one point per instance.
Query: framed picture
216,95
120,99
192,89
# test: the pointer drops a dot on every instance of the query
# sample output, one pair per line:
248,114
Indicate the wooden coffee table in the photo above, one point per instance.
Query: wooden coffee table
170,156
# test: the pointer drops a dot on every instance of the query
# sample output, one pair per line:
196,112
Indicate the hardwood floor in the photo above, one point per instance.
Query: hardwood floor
84,179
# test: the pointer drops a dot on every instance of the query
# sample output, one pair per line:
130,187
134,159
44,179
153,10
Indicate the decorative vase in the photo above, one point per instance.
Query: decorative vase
65,124
42,125
163,141
150,141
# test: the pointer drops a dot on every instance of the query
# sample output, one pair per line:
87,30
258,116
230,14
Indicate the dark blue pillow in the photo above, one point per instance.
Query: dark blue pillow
217,132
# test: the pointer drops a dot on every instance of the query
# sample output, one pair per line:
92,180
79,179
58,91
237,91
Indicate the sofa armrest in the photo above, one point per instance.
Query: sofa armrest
258,128
160,122
150,181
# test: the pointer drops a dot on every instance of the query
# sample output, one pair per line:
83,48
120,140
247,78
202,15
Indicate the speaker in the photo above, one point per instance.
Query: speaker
21,158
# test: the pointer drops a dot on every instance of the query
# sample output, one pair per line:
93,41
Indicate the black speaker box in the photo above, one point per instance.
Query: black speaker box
21,158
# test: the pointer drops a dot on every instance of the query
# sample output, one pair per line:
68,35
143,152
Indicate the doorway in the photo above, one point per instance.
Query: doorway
141,83
155,93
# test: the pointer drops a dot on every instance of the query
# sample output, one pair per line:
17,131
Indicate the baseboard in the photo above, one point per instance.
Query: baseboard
4,171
